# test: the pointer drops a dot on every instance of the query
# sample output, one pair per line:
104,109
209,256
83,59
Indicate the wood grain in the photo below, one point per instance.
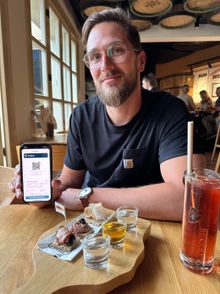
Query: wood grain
6,175
161,271
52,274
21,226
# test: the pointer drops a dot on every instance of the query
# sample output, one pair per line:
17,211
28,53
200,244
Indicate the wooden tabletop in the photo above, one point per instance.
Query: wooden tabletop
160,272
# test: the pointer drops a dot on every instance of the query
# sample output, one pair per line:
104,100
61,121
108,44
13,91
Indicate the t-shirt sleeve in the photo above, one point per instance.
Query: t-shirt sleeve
173,132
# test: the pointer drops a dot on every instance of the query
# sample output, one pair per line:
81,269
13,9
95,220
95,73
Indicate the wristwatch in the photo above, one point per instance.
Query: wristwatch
84,195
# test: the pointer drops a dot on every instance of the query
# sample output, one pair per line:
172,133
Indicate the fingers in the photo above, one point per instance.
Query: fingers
57,188
17,169
18,194
15,184
15,188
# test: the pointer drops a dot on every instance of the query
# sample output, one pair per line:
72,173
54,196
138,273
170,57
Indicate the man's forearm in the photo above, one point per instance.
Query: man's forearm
160,201
71,178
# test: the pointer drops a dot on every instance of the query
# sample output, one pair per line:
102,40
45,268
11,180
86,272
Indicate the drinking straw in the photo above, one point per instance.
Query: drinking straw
189,147
190,155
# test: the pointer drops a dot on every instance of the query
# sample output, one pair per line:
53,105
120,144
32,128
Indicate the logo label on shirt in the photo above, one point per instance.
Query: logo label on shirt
128,163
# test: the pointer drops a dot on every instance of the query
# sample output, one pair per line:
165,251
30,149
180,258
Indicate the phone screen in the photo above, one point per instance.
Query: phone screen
36,173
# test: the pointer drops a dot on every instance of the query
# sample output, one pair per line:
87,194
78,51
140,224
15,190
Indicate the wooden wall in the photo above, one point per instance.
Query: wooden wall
172,75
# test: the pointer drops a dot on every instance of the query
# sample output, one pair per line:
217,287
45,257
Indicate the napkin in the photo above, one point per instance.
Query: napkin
43,244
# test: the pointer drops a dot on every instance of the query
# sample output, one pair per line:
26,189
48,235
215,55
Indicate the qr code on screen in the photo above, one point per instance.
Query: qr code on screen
35,165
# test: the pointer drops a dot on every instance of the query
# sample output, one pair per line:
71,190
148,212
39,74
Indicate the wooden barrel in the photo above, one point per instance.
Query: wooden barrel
89,7
150,8
141,24
173,83
196,6
176,21
178,18
214,18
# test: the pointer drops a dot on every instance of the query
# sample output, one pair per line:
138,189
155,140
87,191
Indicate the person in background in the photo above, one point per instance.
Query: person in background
211,121
217,106
206,102
150,83
126,145
187,99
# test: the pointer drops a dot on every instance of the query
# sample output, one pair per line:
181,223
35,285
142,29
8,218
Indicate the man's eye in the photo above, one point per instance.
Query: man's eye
116,50
94,57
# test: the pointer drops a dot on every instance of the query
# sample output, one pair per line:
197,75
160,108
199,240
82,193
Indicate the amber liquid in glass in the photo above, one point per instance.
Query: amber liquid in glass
116,231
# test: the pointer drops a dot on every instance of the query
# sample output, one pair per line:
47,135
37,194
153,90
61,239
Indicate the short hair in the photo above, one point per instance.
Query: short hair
186,86
151,78
117,15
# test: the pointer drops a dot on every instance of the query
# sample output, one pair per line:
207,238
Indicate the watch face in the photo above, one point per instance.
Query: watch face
85,192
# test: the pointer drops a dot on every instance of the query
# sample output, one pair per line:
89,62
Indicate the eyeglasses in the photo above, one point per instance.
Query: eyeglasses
116,52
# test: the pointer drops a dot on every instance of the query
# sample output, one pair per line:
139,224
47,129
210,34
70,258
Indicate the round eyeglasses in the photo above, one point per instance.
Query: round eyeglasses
116,52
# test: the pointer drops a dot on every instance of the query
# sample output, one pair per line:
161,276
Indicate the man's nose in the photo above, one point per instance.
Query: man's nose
106,62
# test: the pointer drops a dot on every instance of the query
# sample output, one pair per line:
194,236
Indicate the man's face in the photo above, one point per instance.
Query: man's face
146,84
217,92
114,82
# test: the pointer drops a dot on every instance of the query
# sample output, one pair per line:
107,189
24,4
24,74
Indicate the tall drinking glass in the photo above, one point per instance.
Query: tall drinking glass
200,220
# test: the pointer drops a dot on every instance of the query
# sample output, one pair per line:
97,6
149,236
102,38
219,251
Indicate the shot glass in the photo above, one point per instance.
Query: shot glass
200,220
116,231
96,251
128,215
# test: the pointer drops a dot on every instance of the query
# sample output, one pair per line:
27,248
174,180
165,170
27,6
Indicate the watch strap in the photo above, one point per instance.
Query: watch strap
85,202
84,195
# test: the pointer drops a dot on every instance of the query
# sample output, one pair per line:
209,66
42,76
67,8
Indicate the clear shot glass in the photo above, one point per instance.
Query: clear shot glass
96,251
128,215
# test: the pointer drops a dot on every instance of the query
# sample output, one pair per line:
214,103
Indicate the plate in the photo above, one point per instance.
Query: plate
45,244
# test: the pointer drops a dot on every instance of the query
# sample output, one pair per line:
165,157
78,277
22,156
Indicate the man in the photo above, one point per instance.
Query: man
150,83
210,121
187,99
124,146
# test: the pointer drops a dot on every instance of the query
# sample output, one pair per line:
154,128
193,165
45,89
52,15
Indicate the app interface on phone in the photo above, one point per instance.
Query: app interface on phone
36,174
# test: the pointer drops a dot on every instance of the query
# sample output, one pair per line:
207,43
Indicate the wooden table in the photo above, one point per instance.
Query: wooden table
160,272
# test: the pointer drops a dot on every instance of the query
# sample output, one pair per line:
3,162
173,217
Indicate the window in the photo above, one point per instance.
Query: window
54,51
40,70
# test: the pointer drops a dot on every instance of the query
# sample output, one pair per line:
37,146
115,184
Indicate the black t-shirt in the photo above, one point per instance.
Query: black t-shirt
128,155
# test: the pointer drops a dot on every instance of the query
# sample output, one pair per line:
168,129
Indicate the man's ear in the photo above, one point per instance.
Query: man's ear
141,61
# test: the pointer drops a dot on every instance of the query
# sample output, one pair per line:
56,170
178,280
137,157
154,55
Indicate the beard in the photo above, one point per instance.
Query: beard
116,95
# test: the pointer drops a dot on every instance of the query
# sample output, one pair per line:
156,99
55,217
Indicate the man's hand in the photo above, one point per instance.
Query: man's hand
70,199
57,188
15,185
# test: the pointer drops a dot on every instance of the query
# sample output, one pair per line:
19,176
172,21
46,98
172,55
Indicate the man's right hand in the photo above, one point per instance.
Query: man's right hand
16,187
57,188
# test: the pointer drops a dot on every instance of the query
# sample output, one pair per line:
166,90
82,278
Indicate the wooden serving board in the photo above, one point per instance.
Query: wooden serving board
52,275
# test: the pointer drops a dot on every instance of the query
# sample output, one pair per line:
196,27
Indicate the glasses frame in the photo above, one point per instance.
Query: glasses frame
98,64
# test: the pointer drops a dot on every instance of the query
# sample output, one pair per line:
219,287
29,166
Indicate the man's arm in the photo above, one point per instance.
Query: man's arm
162,201
71,178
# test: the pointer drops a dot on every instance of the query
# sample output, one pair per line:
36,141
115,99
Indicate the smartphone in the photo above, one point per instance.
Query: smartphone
36,172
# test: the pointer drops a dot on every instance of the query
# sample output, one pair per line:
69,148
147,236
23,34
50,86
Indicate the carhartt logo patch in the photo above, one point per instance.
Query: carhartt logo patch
128,163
